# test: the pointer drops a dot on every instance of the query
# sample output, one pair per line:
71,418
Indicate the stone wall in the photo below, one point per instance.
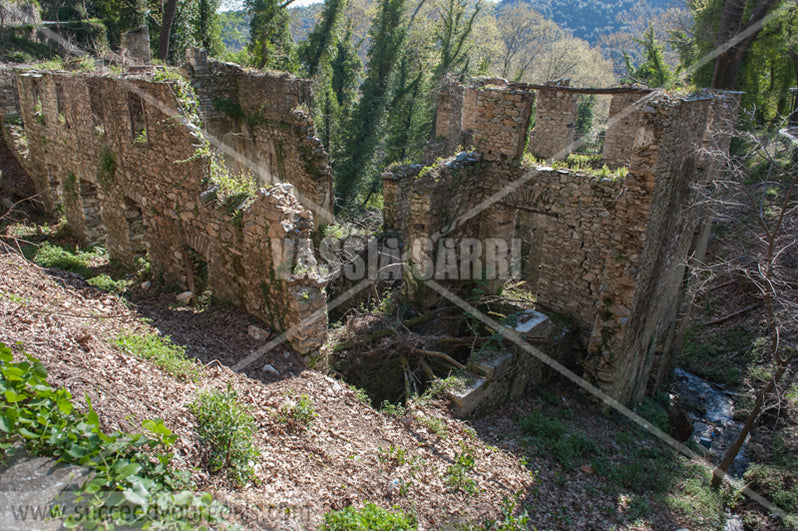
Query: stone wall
124,156
260,123
136,43
622,128
555,122
609,250
19,13
8,93
494,115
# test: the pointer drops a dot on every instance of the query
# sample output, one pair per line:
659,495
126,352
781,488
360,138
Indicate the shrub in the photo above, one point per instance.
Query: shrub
106,283
49,255
226,426
569,448
457,474
162,352
369,518
301,412
130,473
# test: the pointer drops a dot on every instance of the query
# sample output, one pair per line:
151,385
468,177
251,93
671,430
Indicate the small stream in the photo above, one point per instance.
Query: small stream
711,411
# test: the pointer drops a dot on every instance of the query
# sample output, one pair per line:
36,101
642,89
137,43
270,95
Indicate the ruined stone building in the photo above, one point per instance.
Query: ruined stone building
143,163
125,158
608,250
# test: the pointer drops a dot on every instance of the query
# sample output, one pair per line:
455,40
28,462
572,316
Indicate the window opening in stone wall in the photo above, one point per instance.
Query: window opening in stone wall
591,124
528,229
57,193
135,229
37,101
96,103
93,222
60,105
138,124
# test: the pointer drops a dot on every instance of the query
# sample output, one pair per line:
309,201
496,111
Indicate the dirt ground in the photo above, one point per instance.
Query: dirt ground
341,459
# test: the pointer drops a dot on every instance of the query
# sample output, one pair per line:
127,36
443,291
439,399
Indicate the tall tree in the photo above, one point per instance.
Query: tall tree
271,43
319,43
653,71
735,37
166,29
526,36
456,20
207,30
362,140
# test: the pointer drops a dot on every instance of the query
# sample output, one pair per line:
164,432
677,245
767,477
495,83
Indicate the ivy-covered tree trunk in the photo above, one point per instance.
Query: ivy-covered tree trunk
734,39
320,40
363,129
166,29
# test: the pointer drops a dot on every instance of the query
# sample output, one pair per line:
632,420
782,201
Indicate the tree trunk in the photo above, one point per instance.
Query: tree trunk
166,29
793,121
737,38
734,449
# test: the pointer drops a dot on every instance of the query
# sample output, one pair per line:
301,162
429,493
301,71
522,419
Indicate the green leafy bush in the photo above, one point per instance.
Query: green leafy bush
49,255
508,521
456,476
226,426
301,412
369,518
106,283
162,352
131,473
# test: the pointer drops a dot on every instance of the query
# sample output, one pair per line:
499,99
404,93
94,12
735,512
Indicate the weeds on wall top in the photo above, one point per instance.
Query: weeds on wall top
581,163
184,93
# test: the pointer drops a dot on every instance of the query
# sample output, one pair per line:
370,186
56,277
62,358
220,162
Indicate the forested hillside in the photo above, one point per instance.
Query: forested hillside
590,19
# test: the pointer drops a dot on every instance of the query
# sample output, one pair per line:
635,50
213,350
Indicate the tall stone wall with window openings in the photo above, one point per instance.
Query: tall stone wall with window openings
608,250
125,157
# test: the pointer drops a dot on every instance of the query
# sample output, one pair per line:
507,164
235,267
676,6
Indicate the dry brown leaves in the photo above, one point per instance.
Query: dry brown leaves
302,473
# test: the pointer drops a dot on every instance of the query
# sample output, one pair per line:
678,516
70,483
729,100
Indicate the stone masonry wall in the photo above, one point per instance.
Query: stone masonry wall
8,93
123,156
489,115
611,252
259,123
502,122
555,123
19,13
622,128
137,43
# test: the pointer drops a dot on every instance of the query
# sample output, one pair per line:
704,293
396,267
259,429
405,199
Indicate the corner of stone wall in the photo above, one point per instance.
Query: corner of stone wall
136,43
501,122
555,122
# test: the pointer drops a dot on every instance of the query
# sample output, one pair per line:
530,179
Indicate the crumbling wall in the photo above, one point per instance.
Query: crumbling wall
260,123
136,44
555,122
619,140
125,158
19,13
8,94
608,250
